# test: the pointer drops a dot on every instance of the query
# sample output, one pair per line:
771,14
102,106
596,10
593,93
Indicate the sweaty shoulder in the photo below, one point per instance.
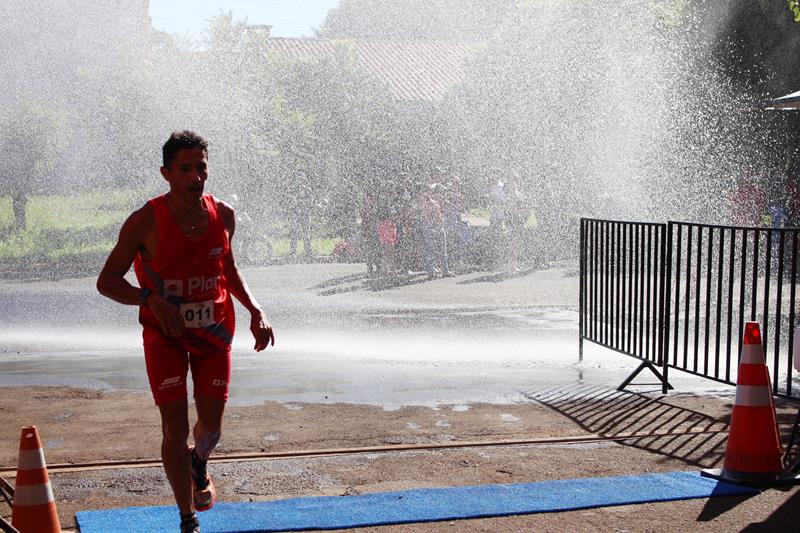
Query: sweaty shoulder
142,220
226,213
139,230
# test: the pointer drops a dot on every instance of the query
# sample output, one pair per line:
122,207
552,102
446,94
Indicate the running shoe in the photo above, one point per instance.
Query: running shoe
203,489
190,524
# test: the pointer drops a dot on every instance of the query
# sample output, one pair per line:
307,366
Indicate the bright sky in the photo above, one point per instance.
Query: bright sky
288,18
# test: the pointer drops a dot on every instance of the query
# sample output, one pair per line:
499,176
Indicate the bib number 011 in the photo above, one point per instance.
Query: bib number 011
198,314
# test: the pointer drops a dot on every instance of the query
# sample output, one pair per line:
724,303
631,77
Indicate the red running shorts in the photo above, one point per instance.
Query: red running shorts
168,363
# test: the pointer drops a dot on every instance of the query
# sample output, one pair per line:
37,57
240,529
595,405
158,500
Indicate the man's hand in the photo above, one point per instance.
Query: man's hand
167,314
261,330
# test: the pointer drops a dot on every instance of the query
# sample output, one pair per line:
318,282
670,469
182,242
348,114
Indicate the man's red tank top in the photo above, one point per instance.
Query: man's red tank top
188,271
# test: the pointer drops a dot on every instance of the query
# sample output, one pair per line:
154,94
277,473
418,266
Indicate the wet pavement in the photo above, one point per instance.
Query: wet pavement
479,337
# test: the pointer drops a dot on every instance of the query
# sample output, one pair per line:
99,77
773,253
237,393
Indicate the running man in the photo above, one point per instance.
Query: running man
180,248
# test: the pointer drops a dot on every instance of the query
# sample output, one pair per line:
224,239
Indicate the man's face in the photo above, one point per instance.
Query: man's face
187,174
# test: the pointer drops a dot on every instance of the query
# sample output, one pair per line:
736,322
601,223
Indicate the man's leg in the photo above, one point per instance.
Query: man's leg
175,452
167,364
208,429
211,374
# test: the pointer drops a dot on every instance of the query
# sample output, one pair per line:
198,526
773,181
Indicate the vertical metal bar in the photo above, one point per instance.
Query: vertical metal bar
642,266
618,269
677,292
589,279
754,288
688,296
599,289
655,328
792,305
720,255
731,262
698,279
636,269
612,304
623,329
594,281
767,265
606,280
741,294
609,282
611,259
581,288
778,308
610,295
666,277
631,324
646,323
600,256
710,253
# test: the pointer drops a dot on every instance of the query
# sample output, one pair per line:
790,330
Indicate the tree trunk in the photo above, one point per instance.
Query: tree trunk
19,202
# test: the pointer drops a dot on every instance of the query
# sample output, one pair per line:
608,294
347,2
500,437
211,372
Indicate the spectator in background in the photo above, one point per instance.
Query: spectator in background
300,216
748,202
434,237
455,229
517,212
369,232
497,216
406,251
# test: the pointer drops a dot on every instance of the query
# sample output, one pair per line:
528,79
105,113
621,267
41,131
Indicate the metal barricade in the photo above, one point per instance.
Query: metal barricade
677,295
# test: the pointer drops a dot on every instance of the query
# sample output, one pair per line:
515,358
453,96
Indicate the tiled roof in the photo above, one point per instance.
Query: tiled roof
412,70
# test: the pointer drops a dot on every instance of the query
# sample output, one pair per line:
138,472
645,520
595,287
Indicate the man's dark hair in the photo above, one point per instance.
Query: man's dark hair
182,140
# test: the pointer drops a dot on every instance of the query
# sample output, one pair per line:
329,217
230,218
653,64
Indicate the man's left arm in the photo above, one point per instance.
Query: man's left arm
259,325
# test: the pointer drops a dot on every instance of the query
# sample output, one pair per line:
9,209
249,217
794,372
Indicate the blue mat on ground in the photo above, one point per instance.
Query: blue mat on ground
418,505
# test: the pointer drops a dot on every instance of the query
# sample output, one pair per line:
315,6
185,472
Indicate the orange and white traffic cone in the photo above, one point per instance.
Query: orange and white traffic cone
34,508
753,451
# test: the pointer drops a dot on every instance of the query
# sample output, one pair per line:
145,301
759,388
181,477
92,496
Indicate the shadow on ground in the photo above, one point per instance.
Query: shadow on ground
381,281
610,412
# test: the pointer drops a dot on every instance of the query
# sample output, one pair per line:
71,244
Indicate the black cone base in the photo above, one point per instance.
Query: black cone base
757,479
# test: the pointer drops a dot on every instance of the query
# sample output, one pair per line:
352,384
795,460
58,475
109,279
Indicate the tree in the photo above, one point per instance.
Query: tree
31,141
337,127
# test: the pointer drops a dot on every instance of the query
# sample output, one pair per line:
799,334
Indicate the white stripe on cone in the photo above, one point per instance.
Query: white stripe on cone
25,495
30,459
753,395
752,354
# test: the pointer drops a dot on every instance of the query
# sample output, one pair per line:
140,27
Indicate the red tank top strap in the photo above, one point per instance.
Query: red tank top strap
211,206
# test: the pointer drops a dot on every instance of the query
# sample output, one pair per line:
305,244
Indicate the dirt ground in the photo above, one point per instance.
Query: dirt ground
78,426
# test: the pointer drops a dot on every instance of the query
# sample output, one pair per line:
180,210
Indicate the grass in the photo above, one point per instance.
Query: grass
282,247
61,227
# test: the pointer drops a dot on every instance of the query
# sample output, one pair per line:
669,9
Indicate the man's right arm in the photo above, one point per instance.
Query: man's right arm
112,283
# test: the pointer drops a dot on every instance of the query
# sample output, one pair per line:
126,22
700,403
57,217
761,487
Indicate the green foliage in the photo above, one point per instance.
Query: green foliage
31,139
794,7
320,247
61,228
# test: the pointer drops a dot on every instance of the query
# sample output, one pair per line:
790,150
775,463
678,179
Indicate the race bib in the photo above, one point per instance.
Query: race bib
198,314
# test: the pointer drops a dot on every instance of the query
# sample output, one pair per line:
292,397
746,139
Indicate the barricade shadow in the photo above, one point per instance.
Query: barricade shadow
609,412
503,275
364,282
341,280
